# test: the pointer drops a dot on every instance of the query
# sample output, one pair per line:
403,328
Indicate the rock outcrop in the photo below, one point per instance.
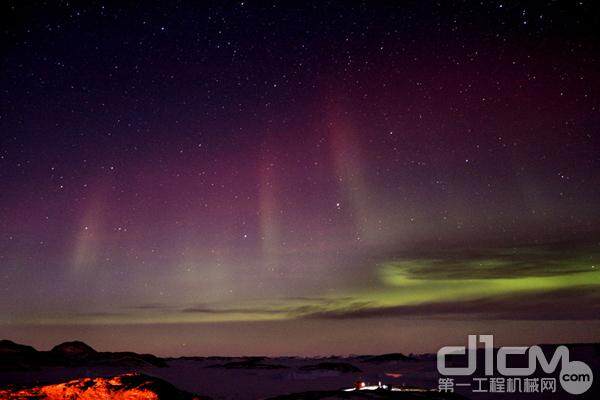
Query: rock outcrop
121,387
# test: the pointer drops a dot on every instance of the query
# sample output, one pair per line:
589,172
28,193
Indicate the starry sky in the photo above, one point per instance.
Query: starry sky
299,177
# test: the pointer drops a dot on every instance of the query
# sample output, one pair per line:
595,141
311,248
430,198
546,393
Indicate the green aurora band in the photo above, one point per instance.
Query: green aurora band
445,278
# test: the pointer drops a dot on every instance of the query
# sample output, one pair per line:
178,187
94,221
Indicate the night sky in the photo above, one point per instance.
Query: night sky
299,178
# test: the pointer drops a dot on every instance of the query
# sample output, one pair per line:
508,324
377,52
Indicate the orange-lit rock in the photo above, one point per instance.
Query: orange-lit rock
122,387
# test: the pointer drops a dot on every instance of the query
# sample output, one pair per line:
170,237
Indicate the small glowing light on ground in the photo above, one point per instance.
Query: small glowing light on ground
380,386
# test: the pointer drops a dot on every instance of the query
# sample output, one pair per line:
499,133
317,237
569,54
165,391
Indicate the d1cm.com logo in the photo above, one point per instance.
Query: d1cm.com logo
575,377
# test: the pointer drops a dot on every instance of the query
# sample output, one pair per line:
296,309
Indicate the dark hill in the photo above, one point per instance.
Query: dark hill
249,363
8,346
74,349
331,366
20,357
382,358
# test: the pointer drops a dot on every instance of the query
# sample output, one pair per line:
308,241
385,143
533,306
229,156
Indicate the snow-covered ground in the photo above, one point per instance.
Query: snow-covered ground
237,379
251,378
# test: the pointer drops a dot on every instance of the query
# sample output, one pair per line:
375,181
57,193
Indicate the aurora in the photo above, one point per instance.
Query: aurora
282,178
422,282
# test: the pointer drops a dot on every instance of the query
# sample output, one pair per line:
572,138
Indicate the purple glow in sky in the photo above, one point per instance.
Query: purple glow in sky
224,177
